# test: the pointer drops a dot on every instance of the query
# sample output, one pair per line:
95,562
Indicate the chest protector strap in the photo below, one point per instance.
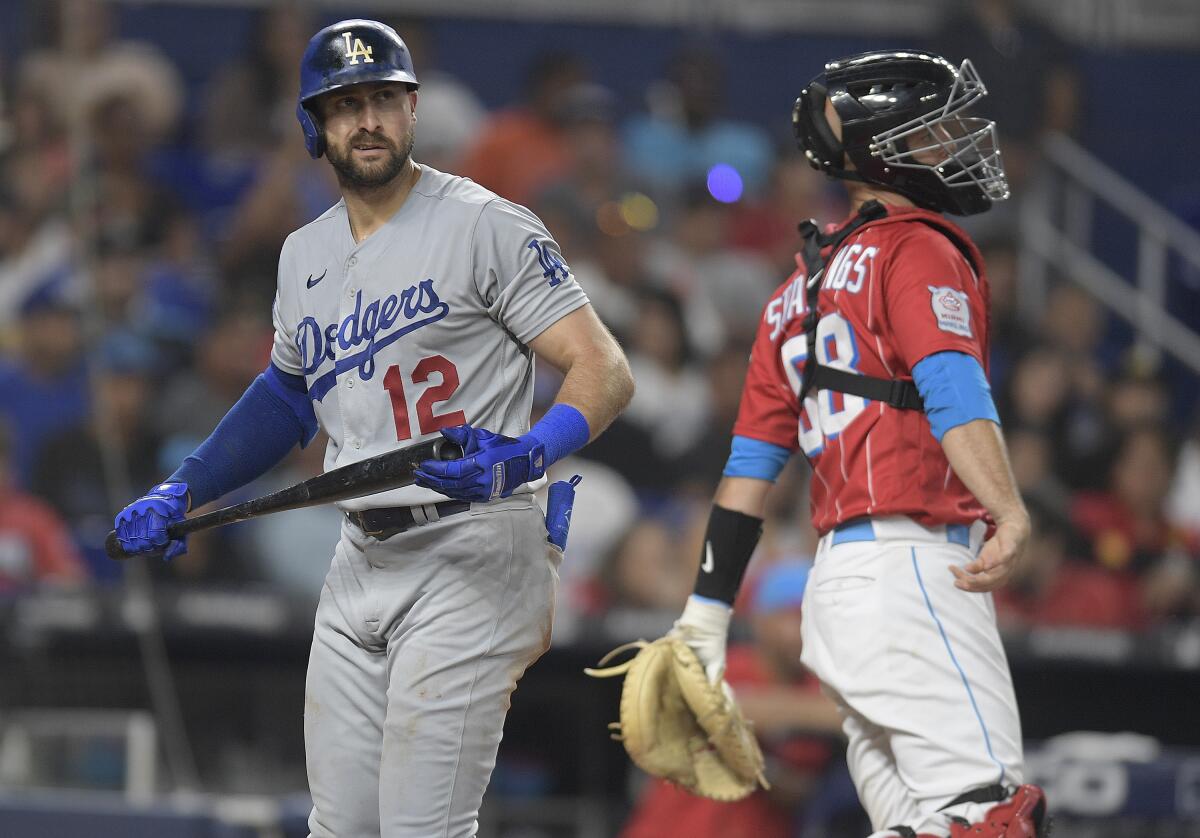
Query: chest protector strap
897,392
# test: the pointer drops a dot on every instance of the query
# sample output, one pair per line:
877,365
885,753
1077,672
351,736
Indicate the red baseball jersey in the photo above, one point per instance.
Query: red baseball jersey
898,289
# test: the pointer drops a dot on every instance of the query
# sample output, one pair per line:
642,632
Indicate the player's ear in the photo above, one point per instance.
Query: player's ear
834,119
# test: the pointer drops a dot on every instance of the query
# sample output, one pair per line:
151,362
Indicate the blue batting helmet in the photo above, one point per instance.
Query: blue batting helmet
349,52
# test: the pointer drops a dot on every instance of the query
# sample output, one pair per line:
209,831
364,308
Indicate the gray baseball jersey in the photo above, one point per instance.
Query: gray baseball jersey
422,325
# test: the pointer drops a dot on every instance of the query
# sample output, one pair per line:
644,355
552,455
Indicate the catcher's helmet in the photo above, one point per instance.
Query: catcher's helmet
346,53
888,100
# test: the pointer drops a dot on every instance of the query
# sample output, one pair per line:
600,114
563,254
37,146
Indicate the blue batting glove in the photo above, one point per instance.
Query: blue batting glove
492,467
142,526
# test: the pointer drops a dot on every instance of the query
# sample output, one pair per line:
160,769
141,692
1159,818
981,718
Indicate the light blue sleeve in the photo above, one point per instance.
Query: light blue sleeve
755,458
955,391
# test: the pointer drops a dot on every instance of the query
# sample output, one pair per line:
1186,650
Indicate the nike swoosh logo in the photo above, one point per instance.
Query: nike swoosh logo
707,565
312,282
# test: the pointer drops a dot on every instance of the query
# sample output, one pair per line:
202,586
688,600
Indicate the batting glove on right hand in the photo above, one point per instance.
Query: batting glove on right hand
142,526
492,466
704,627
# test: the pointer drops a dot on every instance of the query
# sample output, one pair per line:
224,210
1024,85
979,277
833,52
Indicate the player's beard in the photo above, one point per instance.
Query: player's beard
358,174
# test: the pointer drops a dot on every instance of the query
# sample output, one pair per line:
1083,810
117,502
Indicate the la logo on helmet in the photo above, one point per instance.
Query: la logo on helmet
357,50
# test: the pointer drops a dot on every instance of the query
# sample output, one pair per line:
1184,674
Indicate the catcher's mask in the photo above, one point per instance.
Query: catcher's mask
903,127
346,53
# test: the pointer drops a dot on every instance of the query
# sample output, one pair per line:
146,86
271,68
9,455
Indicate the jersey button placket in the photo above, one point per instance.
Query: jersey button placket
350,291
348,429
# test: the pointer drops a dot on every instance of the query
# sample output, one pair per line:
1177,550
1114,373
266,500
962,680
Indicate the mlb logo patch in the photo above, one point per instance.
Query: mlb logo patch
951,309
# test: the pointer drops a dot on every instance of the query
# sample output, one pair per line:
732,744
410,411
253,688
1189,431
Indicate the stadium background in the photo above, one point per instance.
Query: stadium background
150,167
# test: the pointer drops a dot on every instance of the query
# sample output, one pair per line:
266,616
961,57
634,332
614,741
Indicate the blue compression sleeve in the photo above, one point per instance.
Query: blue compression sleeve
293,391
755,458
562,431
265,424
955,391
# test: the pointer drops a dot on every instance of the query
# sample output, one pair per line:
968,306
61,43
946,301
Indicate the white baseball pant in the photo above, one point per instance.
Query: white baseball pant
916,667
419,643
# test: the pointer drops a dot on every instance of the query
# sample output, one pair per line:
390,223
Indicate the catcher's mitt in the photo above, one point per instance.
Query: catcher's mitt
677,725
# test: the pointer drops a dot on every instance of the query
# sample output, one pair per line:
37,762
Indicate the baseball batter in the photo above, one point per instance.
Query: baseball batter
871,359
413,307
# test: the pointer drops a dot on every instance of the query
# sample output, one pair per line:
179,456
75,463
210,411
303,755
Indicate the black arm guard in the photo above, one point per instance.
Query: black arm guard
728,545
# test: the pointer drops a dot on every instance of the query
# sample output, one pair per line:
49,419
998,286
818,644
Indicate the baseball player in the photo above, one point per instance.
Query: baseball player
871,359
412,307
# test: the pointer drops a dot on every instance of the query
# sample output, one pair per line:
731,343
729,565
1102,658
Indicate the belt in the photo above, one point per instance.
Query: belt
387,521
864,529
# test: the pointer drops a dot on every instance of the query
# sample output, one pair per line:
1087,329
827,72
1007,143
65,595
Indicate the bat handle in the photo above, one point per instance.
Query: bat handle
443,449
115,551
112,546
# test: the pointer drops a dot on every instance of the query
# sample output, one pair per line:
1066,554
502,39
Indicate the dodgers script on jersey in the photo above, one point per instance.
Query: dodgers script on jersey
897,291
421,326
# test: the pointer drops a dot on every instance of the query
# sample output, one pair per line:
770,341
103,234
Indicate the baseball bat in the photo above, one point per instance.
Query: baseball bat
366,477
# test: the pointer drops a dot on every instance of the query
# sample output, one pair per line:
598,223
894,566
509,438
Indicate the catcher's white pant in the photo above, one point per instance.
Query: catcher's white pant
419,643
916,667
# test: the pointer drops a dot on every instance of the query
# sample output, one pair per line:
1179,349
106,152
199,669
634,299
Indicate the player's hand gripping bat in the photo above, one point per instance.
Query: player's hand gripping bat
366,477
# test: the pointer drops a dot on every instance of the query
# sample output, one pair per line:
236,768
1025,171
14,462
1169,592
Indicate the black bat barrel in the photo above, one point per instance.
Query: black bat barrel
380,473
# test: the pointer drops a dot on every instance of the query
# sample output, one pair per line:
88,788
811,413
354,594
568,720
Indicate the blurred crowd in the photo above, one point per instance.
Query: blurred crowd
141,221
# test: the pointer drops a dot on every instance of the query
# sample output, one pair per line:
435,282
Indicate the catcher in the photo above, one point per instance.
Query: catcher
872,360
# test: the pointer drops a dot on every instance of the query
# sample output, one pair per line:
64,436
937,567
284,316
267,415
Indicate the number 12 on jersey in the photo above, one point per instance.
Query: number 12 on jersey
824,414
427,420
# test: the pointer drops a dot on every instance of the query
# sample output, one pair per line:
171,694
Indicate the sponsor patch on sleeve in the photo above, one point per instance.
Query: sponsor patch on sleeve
951,309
